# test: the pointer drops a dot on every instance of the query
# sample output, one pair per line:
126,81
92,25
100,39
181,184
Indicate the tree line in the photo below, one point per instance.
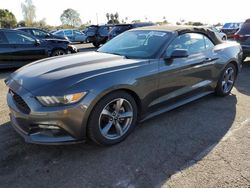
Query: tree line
70,18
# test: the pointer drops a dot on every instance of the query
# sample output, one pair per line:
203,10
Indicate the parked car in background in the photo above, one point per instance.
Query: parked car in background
120,28
40,33
230,29
18,48
98,34
135,76
222,35
73,35
45,35
243,37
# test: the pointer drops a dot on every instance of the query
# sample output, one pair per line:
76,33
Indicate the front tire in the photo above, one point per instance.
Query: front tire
112,119
226,81
58,52
96,44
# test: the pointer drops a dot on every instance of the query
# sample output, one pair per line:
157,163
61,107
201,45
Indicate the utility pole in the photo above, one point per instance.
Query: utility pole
97,18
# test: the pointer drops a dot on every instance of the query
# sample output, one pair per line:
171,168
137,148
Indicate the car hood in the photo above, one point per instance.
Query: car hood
61,73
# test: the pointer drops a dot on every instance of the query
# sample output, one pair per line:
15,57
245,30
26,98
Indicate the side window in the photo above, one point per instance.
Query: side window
2,39
59,33
77,32
192,42
18,38
39,33
68,32
209,44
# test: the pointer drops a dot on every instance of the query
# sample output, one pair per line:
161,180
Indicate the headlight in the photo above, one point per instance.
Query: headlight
61,100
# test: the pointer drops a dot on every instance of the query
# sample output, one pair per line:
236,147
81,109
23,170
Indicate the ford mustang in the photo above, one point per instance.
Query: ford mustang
102,95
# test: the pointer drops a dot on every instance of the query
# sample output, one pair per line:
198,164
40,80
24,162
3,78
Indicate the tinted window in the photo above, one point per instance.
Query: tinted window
77,32
39,33
68,32
18,38
209,44
120,29
192,42
59,33
2,39
104,30
231,25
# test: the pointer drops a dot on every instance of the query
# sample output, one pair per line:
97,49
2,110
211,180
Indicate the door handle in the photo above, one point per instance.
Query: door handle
206,60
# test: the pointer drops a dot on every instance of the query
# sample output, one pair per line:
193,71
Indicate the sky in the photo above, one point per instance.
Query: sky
210,11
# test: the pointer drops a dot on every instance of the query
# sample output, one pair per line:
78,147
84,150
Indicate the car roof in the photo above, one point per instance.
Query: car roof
28,28
182,29
19,31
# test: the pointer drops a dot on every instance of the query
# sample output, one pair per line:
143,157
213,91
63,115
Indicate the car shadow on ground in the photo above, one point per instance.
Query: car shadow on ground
243,85
157,149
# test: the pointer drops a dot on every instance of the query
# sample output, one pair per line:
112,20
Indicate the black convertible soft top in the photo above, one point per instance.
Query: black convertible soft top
186,29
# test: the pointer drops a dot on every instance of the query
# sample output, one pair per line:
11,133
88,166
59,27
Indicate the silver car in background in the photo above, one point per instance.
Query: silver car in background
73,35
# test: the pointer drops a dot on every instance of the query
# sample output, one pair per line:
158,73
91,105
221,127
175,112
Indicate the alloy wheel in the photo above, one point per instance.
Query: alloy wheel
116,118
228,79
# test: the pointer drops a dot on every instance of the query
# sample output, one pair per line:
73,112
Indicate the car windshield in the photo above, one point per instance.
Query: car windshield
231,26
136,44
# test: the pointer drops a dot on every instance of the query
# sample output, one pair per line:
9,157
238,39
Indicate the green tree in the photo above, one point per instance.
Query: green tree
113,18
7,19
29,12
71,17
21,24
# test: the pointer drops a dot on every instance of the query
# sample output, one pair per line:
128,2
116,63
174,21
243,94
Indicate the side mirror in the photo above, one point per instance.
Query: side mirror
37,42
47,35
179,53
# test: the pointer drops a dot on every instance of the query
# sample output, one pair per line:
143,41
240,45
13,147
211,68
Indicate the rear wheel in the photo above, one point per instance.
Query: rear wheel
112,119
226,81
58,52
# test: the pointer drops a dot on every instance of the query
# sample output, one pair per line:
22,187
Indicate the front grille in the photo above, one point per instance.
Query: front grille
20,103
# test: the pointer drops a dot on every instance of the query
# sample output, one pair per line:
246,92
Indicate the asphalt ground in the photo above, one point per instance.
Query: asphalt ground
203,144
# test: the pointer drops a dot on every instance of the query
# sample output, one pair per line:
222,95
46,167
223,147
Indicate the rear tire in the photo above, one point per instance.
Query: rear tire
112,119
226,81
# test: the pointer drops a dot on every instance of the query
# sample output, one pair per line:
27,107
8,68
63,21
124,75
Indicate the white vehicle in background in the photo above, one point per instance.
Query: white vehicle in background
222,35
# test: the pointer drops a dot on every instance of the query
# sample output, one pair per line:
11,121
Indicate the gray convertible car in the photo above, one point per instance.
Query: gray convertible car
102,95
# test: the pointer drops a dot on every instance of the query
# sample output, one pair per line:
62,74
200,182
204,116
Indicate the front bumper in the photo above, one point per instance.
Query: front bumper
72,49
47,125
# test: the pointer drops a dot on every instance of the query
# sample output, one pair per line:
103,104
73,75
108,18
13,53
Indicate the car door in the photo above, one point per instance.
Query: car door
186,77
6,51
25,47
69,34
79,37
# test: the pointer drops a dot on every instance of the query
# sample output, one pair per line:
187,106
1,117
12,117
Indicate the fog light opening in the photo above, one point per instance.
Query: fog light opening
48,127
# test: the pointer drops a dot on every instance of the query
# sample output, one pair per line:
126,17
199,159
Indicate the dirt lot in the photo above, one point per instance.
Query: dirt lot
202,144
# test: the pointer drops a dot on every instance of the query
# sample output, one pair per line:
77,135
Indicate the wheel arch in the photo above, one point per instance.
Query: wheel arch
105,93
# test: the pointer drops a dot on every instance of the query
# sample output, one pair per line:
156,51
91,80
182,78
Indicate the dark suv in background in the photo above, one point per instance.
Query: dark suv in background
243,37
98,34
18,48
120,28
